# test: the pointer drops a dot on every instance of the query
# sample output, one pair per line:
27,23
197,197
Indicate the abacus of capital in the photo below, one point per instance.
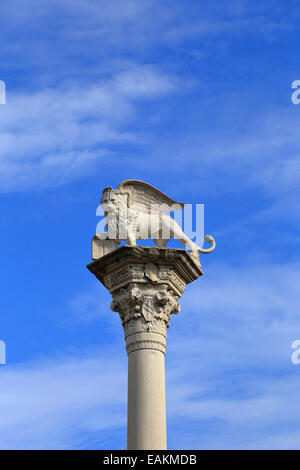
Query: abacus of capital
146,284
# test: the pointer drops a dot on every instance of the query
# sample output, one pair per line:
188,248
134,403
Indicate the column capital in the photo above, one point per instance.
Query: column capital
146,284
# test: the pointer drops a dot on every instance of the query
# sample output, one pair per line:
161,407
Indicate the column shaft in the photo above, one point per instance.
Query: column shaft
146,400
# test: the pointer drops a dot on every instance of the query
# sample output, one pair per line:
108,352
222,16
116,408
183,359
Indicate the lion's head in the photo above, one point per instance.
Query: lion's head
110,201
114,206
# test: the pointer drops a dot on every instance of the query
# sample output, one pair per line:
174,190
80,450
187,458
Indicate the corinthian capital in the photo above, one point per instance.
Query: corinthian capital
145,311
145,284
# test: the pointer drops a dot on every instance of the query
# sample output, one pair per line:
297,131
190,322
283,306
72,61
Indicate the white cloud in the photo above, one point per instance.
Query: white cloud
109,28
47,405
262,156
51,136
251,311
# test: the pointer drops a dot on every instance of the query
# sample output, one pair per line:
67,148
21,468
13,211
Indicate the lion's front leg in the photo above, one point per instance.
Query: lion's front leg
131,238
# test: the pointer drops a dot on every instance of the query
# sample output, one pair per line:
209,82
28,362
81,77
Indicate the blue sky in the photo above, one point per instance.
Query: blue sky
193,97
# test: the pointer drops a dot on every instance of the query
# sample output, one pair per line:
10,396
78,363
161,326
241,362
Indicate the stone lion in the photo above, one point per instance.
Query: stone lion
138,211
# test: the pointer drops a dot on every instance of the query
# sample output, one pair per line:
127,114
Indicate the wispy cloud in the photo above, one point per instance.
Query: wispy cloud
254,309
49,404
58,133
133,28
51,136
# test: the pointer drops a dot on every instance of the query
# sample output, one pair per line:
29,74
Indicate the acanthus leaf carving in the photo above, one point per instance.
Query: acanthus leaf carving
145,309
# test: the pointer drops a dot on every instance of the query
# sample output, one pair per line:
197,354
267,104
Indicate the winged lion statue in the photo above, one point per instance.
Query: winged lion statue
139,211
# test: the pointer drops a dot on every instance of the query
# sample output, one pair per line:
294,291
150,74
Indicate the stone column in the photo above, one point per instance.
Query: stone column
145,284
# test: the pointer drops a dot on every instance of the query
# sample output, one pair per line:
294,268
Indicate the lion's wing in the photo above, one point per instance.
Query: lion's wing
143,195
